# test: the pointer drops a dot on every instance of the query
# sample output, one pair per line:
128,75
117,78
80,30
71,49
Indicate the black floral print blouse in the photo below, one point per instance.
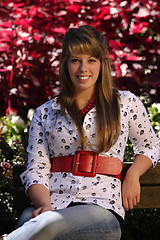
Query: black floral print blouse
51,135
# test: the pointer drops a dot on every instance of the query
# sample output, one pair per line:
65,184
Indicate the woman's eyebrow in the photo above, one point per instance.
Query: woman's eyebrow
73,56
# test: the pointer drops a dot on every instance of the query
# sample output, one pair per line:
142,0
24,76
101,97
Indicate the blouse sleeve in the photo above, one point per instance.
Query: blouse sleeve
38,166
141,133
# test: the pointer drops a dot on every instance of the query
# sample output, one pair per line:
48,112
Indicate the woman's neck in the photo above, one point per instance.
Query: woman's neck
82,100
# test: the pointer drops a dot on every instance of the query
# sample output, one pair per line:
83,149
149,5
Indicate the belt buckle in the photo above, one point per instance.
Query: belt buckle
76,162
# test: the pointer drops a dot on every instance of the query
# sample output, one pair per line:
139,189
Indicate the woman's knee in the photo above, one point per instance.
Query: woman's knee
25,216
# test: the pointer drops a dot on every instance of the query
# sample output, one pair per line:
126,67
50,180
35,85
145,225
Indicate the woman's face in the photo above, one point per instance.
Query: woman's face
84,71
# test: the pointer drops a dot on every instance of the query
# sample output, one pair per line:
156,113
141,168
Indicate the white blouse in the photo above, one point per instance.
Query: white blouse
51,135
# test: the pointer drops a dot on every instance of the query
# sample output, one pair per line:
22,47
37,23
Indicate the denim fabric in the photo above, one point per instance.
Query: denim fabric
81,222
25,216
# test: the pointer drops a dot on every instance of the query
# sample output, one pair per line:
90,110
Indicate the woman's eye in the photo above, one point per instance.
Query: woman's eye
92,60
74,60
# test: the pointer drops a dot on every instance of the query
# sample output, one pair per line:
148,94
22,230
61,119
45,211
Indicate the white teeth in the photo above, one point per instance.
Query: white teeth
83,78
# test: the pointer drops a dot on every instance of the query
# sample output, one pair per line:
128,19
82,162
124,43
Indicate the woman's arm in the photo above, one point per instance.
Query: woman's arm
131,183
36,177
146,148
39,196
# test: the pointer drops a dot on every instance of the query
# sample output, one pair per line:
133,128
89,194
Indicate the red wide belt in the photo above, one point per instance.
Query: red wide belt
87,164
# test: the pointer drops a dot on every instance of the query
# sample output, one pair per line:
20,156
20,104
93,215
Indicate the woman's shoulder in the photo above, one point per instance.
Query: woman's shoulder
127,96
48,106
125,93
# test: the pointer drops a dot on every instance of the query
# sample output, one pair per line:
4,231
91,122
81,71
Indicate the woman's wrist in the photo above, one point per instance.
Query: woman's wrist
133,173
39,195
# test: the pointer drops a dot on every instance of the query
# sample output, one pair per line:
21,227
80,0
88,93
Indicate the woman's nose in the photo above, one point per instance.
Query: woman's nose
83,67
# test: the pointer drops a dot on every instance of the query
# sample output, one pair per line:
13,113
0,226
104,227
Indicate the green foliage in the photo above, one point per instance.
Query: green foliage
13,139
154,115
140,223
13,143
30,37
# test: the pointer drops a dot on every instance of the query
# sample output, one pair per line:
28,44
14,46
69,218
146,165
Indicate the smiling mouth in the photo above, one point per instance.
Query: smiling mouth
83,78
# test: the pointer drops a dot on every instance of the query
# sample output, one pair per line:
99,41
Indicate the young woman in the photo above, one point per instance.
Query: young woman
76,149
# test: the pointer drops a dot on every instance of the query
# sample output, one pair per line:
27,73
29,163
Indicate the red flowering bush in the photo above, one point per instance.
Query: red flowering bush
30,45
31,33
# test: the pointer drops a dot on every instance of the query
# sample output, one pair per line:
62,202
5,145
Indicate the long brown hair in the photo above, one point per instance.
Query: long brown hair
88,40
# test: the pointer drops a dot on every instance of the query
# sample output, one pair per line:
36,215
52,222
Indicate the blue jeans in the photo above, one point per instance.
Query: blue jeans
26,215
81,222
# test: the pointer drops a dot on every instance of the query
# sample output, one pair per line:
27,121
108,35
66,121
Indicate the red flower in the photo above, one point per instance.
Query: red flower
11,111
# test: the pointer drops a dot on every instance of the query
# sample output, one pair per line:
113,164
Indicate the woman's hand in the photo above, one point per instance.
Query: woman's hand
131,183
40,198
40,210
130,192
